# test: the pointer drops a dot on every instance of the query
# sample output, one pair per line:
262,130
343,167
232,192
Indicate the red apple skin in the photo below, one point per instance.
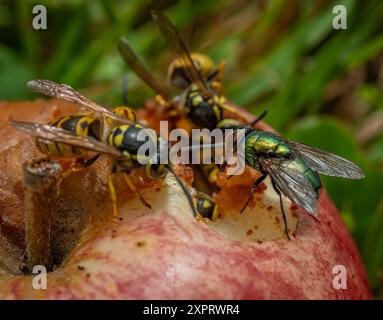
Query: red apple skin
159,256
167,254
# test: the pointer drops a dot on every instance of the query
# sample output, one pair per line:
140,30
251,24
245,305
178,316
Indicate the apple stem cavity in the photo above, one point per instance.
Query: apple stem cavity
40,180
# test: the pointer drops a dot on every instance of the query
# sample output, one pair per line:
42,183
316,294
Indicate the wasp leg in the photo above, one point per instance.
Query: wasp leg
282,209
253,188
217,75
134,189
113,197
220,70
231,110
71,171
90,161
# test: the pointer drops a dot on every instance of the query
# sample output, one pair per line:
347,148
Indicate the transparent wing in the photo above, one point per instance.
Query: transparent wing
292,182
135,63
50,133
67,93
327,163
171,35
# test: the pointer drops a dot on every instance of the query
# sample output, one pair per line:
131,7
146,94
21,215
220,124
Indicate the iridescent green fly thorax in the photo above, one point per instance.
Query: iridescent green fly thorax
260,145
266,144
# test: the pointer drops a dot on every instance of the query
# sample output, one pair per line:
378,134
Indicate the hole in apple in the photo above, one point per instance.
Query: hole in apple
260,221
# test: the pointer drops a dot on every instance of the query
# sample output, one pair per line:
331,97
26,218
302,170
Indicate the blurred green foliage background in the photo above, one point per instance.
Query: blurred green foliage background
321,86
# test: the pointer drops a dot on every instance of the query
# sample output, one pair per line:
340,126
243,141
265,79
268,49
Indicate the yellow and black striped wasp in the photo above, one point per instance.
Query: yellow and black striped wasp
205,206
92,124
120,141
196,75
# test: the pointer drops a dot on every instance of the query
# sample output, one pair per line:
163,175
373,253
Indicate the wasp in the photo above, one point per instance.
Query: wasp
178,76
196,74
90,125
293,168
121,142
193,72
205,206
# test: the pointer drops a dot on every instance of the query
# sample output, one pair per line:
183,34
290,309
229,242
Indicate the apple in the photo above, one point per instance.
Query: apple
162,252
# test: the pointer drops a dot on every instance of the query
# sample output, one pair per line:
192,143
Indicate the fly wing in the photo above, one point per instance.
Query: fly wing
134,62
50,133
67,93
292,182
171,35
327,163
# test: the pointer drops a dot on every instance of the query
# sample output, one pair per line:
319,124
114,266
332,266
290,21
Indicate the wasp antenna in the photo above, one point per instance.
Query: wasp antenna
124,93
184,189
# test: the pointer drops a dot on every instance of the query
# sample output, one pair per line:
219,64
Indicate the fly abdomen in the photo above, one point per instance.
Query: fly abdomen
314,178
299,165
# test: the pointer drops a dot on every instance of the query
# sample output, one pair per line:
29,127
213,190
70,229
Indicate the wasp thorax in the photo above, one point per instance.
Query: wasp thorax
178,73
129,138
126,113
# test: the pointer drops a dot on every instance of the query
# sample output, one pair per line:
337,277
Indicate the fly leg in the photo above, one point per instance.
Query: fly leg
253,188
135,191
282,209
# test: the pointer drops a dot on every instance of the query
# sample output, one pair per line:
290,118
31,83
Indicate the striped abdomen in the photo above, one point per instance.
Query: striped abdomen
205,113
205,206
84,126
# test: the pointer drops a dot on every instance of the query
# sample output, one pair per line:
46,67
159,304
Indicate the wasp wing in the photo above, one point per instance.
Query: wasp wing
171,35
327,163
134,62
67,93
50,133
292,182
